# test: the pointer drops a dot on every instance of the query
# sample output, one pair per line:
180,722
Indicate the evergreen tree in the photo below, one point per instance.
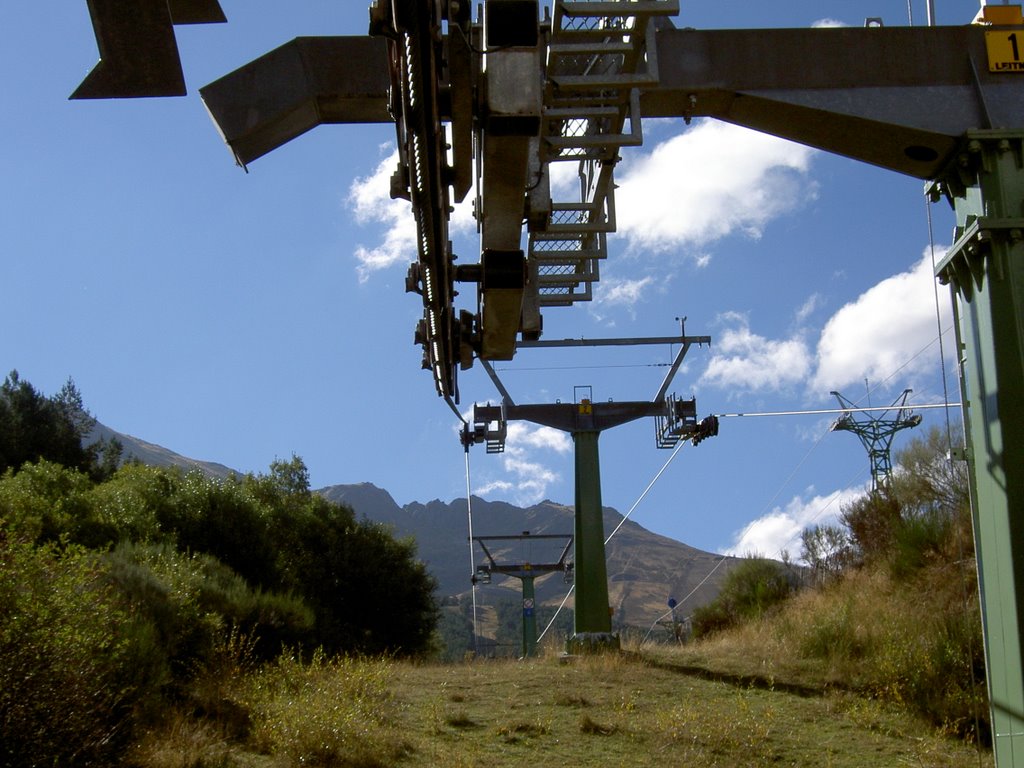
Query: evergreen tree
34,427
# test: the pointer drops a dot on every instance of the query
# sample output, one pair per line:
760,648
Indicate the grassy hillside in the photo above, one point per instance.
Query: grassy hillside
607,711
914,642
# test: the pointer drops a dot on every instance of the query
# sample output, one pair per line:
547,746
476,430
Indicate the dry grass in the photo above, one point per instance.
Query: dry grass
612,710
914,645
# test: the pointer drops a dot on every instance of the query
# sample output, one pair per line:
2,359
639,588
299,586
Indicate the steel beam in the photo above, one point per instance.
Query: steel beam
897,97
307,82
985,271
138,51
593,621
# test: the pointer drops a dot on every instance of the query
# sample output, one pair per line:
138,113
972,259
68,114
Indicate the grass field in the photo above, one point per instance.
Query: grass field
619,711
598,711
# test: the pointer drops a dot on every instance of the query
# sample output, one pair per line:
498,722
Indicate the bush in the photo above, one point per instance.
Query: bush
193,601
77,665
750,590
919,540
47,502
873,521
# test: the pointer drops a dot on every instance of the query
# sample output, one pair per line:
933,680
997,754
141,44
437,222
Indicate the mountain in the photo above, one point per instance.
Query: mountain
155,455
644,569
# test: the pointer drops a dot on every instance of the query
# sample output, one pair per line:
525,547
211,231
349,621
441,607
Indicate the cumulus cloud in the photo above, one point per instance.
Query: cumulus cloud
780,528
369,200
707,183
824,23
883,331
888,329
527,475
743,361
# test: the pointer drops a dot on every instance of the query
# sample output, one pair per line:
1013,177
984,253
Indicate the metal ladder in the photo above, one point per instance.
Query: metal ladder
599,54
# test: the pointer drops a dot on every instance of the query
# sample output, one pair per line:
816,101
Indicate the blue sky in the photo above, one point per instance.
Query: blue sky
238,317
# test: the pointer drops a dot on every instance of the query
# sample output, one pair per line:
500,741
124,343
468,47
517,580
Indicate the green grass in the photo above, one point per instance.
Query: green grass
607,711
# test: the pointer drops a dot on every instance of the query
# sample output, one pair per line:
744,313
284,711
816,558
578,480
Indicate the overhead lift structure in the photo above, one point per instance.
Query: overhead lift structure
876,433
527,572
585,419
517,93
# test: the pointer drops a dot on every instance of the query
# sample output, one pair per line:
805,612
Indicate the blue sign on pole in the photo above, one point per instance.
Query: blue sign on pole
672,602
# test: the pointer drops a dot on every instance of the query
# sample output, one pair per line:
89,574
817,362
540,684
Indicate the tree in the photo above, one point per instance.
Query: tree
367,589
872,521
34,427
923,513
827,550
929,477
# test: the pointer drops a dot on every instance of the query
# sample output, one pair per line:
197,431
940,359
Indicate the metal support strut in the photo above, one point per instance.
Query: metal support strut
985,272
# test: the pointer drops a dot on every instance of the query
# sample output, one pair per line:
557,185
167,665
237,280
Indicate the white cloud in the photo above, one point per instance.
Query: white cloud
615,292
888,330
743,361
369,200
883,331
825,23
812,303
780,528
709,182
627,292
528,476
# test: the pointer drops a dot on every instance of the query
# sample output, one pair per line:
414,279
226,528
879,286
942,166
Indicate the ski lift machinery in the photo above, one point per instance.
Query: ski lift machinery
517,92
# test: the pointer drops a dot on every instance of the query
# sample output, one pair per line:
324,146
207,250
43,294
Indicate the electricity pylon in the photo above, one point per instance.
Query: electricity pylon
876,433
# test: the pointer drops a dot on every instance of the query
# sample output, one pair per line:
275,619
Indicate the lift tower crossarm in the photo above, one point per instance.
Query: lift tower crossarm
897,97
685,341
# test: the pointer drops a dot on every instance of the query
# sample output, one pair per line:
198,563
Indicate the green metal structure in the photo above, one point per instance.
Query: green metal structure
527,573
985,272
876,434
585,420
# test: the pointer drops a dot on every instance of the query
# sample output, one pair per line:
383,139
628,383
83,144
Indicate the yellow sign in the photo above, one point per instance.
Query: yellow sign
1005,49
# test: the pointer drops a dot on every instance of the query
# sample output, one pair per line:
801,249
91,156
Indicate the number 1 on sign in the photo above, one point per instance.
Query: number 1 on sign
1004,52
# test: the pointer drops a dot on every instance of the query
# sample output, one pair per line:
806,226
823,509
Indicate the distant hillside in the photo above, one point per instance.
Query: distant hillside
644,569
155,455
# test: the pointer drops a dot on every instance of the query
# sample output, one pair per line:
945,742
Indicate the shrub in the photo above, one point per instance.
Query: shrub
920,539
750,590
46,502
76,664
193,601
872,520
